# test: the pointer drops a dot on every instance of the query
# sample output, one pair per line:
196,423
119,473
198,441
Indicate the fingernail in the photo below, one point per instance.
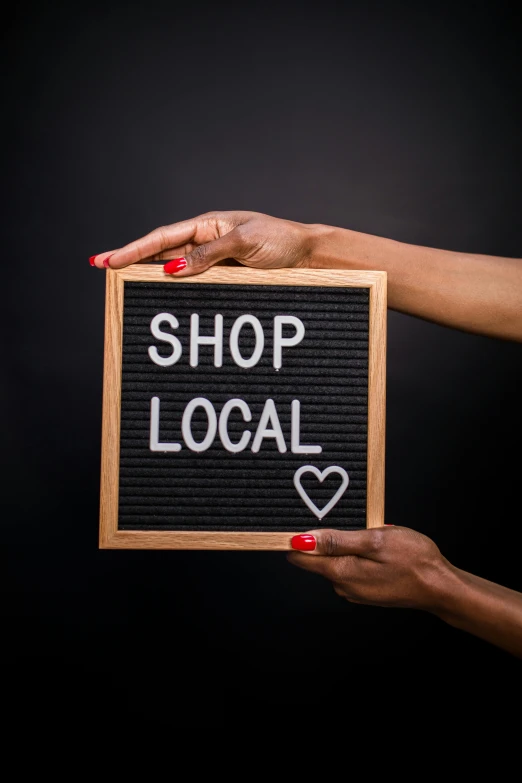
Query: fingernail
305,542
106,262
91,260
176,265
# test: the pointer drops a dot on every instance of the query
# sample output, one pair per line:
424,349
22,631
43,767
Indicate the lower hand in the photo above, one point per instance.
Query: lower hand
388,566
251,238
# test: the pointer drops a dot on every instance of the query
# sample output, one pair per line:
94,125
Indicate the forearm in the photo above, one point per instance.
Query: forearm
482,608
476,293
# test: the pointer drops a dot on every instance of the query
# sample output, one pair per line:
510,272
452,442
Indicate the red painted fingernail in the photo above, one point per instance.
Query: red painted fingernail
306,542
106,262
91,260
176,265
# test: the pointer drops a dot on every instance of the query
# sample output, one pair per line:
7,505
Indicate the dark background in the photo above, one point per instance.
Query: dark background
401,121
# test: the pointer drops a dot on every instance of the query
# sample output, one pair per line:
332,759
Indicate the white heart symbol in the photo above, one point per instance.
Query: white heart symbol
321,476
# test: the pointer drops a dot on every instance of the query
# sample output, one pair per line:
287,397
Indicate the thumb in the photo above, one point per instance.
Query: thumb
206,255
336,543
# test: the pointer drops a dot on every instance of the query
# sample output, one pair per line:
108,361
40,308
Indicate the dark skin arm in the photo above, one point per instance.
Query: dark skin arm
399,567
475,293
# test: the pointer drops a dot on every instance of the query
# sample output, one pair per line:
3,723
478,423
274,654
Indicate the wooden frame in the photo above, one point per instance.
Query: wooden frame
112,538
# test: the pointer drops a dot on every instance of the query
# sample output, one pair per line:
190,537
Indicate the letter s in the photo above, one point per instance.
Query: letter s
165,361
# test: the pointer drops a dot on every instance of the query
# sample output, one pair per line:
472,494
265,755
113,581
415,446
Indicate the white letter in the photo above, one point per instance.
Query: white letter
296,432
187,419
234,337
279,340
269,414
168,338
155,445
216,341
223,423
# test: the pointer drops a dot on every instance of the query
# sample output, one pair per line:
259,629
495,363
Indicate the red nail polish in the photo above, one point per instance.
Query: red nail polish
91,260
176,265
106,262
306,542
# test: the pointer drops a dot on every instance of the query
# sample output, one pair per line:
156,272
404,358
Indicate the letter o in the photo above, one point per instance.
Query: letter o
234,340
186,422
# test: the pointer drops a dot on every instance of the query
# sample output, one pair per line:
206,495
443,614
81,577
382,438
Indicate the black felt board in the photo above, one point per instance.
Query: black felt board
217,490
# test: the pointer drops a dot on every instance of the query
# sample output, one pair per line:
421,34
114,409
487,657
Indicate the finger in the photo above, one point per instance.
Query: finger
181,251
206,255
157,241
329,567
101,260
166,255
336,543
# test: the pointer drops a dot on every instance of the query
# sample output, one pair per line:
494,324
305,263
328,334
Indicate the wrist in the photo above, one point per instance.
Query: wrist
331,247
314,240
449,594
320,242
443,587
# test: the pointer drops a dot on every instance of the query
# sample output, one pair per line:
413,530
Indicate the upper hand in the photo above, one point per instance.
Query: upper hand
388,566
251,238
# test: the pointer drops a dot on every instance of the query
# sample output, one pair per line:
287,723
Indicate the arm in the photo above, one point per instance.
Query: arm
476,293
399,567
485,609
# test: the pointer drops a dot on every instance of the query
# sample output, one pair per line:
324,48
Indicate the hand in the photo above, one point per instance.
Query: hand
251,238
389,566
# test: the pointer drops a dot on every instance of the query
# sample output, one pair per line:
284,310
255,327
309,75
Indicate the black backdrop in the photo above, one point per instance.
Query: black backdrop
402,122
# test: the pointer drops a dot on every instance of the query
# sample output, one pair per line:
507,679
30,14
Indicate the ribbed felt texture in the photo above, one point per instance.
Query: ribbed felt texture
216,489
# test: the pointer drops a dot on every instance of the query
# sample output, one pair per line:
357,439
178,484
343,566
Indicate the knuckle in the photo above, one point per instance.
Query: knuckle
162,238
242,232
239,235
328,543
199,255
376,539
242,238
